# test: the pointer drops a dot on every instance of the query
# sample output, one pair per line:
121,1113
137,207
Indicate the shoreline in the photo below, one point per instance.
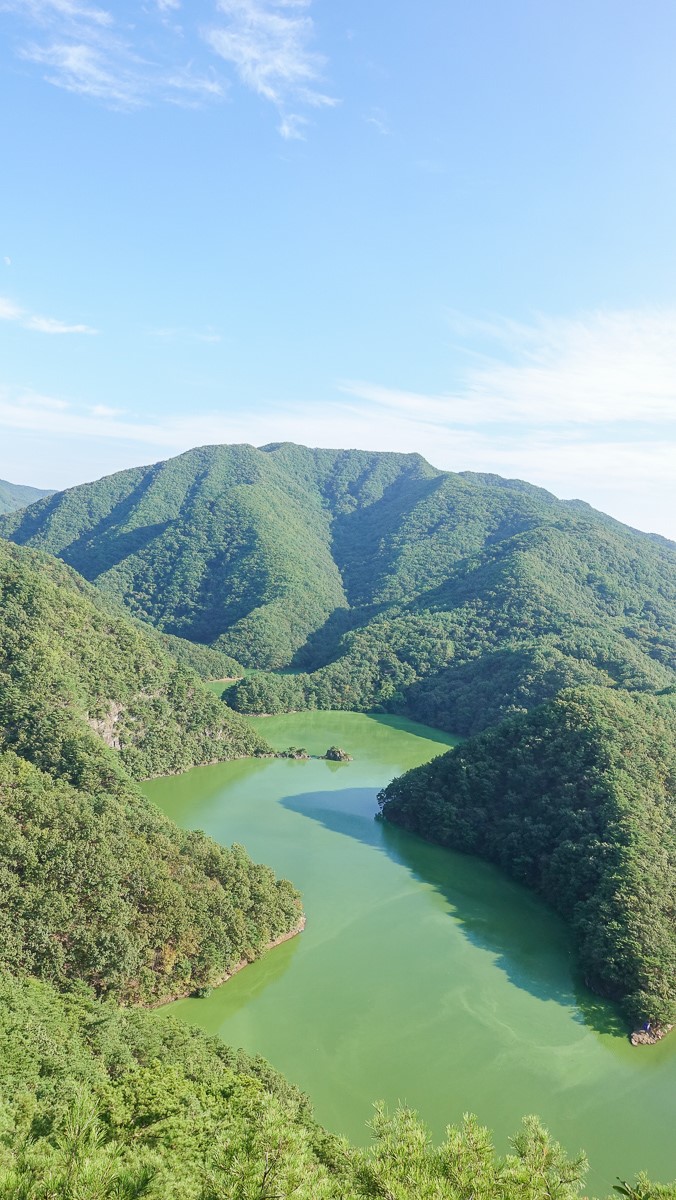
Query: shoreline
649,1037
239,966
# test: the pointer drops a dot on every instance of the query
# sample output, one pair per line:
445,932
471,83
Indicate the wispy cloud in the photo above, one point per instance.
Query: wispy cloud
269,43
378,119
9,311
86,49
45,10
605,366
90,50
597,422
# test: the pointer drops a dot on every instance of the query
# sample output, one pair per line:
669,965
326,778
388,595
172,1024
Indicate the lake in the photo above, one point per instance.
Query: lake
423,976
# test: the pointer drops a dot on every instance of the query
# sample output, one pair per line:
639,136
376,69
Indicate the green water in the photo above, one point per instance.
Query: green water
423,976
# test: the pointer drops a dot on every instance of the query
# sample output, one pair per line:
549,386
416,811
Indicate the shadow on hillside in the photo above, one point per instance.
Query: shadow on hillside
530,942
102,547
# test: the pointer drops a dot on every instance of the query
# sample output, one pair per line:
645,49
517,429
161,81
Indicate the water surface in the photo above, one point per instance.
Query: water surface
423,977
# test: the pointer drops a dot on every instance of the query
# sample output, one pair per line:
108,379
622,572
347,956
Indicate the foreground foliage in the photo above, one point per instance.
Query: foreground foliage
98,1102
578,801
382,582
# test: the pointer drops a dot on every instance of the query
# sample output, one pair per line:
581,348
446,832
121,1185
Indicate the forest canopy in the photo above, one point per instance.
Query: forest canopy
378,581
577,800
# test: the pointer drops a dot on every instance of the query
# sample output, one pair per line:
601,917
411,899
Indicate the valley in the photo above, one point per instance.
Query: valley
348,594
423,976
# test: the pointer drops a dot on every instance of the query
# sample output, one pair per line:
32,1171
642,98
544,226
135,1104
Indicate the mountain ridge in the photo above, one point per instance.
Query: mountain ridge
381,581
14,496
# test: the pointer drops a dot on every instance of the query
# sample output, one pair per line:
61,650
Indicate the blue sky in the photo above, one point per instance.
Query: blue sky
439,226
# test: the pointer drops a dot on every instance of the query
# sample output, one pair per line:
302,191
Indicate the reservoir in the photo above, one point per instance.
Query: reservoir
423,977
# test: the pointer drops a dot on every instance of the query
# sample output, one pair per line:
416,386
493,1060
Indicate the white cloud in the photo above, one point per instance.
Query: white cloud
378,119
51,325
605,366
632,480
103,410
7,260
581,432
91,51
269,44
43,11
86,50
9,311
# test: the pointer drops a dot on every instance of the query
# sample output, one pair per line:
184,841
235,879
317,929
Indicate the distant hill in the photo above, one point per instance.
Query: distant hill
379,580
18,495
577,800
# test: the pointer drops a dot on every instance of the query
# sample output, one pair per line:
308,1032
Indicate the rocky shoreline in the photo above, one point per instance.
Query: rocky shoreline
651,1036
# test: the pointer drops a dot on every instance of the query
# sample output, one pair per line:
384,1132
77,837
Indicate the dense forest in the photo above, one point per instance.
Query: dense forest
76,670
96,884
102,1102
18,495
377,581
577,800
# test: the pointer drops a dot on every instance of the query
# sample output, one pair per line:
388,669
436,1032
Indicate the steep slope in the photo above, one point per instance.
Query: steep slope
578,801
18,495
74,669
96,885
472,600
218,540
379,580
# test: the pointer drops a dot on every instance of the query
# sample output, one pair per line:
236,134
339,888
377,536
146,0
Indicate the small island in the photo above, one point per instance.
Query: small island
335,754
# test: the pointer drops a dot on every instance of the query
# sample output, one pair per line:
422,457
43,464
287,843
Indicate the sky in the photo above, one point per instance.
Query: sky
443,226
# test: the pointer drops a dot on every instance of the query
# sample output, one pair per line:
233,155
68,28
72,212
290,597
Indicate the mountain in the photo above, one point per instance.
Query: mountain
96,884
374,580
18,495
76,670
577,800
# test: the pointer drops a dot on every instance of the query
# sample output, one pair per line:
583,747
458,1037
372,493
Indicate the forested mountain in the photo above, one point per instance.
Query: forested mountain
379,580
75,670
104,901
577,800
18,495
96,885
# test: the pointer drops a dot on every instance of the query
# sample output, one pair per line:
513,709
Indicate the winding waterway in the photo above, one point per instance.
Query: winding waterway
423,977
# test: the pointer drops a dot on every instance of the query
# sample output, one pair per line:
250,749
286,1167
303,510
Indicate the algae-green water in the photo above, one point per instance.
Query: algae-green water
423,977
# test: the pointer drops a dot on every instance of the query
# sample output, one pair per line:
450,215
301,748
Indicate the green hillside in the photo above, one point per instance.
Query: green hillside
105,902
74,670
380,581
96,884
18,495
577,800
100,1102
